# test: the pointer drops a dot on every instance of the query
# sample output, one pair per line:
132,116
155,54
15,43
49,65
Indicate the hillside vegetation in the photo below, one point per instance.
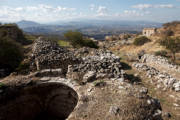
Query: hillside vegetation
12,41
171,29
12,31
169,34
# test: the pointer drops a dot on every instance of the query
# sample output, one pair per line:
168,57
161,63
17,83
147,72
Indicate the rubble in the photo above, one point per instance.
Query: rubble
103,63
49,55
160,61
114,110
160,78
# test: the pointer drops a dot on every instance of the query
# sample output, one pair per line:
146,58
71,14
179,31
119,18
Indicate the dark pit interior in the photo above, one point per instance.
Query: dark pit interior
47,101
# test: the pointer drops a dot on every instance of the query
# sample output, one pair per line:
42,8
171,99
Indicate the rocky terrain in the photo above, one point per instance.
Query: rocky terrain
78,84
47,54
157,73
151,65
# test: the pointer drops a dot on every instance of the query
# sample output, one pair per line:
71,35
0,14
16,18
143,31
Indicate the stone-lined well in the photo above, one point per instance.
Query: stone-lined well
45,101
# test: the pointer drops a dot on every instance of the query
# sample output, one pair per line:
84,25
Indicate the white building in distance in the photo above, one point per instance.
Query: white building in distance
149,31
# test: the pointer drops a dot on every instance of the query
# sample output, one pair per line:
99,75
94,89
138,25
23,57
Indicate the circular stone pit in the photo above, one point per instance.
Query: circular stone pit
45,101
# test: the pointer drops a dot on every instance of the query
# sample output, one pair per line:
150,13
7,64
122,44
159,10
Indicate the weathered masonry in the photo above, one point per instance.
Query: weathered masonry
149,31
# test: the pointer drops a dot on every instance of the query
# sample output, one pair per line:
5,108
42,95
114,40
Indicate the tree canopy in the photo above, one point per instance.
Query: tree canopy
78,40
10,54
141,40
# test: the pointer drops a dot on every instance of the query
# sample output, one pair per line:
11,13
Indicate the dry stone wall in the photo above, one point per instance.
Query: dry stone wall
160,61
162,80
48,55
100,64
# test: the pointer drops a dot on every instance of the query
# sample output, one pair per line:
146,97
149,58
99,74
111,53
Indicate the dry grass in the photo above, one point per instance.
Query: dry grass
63,43
149,47
163,96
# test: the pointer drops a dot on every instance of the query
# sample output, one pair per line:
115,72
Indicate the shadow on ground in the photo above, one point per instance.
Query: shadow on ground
132,78
125,66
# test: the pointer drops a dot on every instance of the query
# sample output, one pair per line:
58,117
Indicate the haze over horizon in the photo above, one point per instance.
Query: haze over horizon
45,11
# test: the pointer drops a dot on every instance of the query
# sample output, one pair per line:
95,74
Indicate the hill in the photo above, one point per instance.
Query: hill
171,28
97,29
13,32
26,24
13,47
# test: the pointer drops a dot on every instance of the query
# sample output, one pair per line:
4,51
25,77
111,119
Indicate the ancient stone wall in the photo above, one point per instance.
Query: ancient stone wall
48,55
100,64
148,31
159,61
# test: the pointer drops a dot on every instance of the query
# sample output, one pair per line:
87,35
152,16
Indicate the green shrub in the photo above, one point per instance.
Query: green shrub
2,85
161,53
76,39
10,54
141,40
13,32
172,44
168,33
126,36
89,43
23,67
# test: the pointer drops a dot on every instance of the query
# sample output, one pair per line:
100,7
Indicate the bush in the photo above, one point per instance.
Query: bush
13,32
168,33
172,44
10,54
141,40
89,43
23,67
76,39
161,53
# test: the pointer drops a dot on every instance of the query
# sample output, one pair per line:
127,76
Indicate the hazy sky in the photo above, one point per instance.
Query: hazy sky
60,10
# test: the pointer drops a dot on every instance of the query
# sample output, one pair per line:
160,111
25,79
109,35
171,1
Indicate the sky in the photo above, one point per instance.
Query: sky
47,11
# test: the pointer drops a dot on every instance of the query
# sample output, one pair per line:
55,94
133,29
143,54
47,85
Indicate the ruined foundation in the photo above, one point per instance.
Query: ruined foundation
45,101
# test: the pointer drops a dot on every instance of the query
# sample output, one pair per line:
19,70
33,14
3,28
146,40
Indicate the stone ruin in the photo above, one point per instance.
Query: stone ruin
149,31
159,60
47,54
162,79
45,101
45,95
101,64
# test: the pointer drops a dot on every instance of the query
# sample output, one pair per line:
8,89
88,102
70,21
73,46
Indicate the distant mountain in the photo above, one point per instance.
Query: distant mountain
93,28
111,23
26,24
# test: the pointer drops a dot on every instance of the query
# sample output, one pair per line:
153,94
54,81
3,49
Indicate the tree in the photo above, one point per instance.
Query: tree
172,44
76,39
168,33
141,40
10,54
